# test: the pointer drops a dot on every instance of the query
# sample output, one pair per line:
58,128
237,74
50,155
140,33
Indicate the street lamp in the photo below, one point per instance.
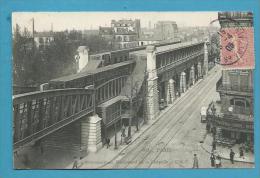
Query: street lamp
213,110
116,147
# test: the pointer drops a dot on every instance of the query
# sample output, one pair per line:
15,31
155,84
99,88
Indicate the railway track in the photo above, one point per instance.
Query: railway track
139,154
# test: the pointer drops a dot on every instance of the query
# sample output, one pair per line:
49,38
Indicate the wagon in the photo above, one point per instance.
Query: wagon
203,114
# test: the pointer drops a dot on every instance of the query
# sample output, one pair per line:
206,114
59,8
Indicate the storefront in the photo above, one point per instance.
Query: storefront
110,112
236,128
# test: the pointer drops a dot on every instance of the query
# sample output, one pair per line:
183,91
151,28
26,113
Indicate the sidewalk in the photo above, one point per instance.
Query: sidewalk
56,159
224,151
107,155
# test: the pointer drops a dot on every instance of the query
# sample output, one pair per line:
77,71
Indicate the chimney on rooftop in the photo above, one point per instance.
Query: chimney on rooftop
82,57
51,27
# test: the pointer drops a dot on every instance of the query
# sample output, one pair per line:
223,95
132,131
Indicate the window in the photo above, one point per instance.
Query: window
119,38
109,59
40,40
244,82
125,38
244,72
234,81
41,47
240,103
232,102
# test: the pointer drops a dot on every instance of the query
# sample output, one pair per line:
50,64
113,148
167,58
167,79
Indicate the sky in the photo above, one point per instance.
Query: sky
92,20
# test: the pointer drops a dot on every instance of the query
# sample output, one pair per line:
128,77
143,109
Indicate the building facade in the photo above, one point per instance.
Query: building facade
233,116
123,25
43,39
122,33
107,33
166,30
126,33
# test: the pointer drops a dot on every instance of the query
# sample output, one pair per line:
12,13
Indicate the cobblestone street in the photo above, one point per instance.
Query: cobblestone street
172,141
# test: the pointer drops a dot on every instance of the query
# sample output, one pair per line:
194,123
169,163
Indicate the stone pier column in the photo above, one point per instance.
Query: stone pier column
44,86
192,75
152,98
183,82
171,91
91,133
206,62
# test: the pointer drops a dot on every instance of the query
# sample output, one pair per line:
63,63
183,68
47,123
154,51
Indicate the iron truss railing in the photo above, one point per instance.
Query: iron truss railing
37,114
178,62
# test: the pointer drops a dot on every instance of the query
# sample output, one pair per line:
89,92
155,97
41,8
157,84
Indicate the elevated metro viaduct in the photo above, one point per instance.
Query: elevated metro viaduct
76,112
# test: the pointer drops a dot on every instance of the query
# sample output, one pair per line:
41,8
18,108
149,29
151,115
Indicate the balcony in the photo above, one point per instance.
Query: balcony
229,121
232,123
232,89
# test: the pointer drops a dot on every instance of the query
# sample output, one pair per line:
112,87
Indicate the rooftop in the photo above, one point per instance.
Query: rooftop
162,49
125,33
123,21
44,34
91,72
92,65
106,30
166,22
149,38
135,81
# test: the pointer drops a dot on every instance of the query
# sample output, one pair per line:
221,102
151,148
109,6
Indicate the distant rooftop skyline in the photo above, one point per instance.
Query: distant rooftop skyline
92,20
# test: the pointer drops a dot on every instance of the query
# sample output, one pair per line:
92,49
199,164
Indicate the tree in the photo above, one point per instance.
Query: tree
33,66
137,96
23,55
130,97
96,43
214,47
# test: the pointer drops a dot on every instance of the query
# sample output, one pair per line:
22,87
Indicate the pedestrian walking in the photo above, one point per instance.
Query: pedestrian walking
75,163
123,133
195,162
212,159
218,162
241,153
123,130
208,127
231,155
108,142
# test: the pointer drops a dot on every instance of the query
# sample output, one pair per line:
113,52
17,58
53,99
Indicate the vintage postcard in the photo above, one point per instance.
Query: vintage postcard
132,90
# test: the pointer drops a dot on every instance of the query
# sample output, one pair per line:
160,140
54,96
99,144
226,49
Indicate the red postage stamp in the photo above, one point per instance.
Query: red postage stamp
237,48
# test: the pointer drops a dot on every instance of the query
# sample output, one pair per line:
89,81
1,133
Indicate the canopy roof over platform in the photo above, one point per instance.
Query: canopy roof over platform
92,72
